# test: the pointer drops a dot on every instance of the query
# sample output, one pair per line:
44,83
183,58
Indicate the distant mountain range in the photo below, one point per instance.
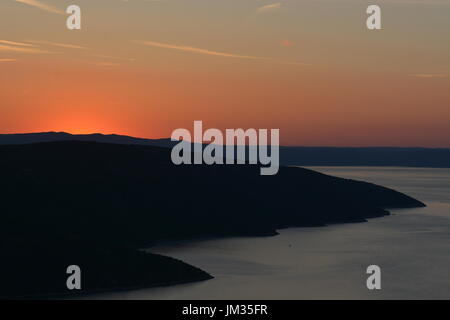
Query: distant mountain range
301,156
26,138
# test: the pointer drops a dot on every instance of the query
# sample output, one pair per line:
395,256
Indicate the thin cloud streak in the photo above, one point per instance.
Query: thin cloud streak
213,53
42,6
269,7
8,48
430,75
113,57
195,50
8,60
14,43
58,44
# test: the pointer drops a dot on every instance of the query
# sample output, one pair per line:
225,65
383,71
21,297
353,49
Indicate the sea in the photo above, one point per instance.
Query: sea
411,247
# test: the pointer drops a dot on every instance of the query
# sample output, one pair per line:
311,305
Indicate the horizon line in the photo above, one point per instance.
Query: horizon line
168,138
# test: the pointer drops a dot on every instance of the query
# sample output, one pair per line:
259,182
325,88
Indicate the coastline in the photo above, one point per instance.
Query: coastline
130,204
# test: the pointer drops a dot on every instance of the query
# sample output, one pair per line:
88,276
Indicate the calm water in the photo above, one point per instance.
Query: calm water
412,247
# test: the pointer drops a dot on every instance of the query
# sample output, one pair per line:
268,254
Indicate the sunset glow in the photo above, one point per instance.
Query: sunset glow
231,64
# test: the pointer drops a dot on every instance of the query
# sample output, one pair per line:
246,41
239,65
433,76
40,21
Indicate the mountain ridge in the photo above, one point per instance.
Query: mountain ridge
289,155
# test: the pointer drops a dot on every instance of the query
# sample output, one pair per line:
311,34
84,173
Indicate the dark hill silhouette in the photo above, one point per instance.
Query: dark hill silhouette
301,156
97,203
26,138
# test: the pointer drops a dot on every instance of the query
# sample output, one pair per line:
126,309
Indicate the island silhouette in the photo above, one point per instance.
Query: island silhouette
96,204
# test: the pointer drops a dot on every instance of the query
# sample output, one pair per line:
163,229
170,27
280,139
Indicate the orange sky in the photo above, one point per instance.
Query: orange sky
310,68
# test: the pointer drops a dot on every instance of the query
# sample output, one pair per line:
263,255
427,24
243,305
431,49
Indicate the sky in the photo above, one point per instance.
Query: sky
308,67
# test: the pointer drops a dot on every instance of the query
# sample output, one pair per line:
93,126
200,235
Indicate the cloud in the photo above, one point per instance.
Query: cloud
57,44
269,7
7,60
113,57
14,43
42,6
21,47
195,50
430,75
214,53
